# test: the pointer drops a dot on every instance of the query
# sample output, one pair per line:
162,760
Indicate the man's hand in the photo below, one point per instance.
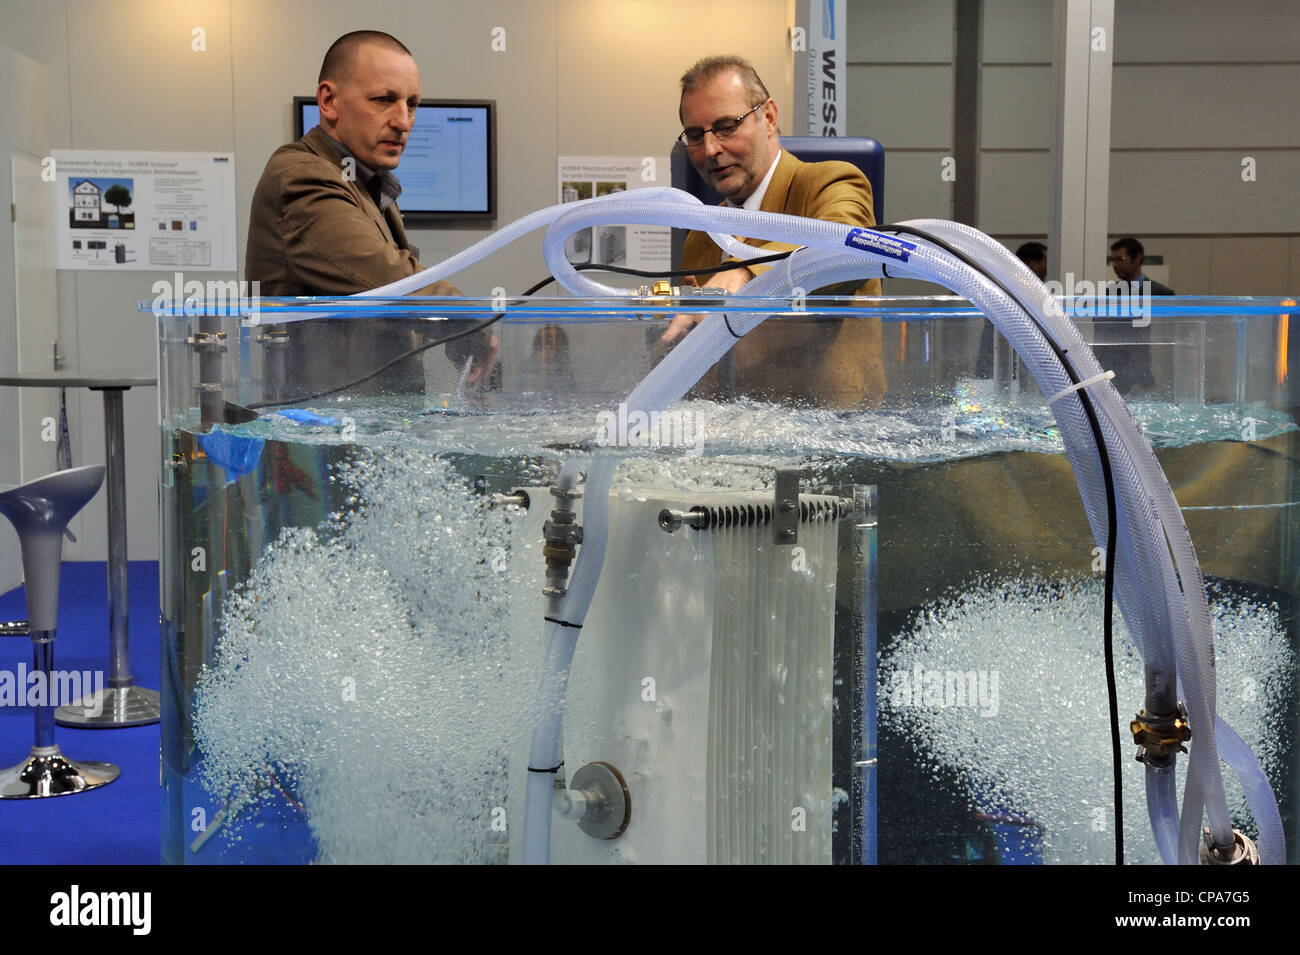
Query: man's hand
484,362
482,354
731,280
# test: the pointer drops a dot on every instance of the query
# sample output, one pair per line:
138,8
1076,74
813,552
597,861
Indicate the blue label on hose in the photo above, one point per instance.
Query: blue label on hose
868,241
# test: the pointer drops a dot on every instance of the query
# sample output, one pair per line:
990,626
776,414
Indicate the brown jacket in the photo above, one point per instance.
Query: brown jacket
827,362
312,231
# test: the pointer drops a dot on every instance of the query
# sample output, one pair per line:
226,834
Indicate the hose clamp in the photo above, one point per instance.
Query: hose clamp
207,341
1160,737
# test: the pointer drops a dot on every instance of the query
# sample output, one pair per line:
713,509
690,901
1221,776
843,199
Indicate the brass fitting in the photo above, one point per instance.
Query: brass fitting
1241,852
1160,737
562,534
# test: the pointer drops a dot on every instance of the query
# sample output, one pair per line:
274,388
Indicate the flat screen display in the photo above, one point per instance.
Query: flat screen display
448,169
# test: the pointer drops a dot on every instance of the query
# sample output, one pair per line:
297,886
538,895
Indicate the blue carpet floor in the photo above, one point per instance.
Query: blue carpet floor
120,823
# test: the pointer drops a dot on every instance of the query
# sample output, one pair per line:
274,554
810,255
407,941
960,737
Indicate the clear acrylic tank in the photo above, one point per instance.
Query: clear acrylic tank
820,635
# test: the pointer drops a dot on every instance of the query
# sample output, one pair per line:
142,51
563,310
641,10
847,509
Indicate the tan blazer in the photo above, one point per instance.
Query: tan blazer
824,362
311,231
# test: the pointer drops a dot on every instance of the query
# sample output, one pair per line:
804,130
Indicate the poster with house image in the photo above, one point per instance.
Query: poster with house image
101,203
144,210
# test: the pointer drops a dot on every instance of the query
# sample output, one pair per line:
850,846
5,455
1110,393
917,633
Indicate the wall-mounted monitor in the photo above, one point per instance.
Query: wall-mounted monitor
448,169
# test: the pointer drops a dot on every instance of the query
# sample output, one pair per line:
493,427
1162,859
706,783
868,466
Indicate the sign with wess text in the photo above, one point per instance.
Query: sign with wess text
818,39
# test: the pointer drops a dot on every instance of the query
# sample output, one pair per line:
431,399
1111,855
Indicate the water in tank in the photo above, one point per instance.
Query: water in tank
822,633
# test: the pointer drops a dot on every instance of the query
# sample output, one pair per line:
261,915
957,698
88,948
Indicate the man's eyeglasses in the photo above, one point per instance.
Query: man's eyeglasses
723,128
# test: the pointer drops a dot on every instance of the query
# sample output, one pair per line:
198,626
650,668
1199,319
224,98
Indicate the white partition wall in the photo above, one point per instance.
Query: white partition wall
28,305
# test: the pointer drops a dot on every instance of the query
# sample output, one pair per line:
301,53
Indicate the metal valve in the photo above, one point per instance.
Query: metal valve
562,534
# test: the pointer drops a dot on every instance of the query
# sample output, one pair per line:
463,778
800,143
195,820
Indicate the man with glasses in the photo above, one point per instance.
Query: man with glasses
730,133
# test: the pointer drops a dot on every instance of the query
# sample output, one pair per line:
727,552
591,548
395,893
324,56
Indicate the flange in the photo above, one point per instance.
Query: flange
609,804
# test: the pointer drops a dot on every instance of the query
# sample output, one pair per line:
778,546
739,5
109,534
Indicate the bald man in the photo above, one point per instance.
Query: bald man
325,221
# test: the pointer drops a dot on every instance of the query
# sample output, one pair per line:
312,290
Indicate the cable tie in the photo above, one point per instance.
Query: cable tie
563,623
553,770
1104,376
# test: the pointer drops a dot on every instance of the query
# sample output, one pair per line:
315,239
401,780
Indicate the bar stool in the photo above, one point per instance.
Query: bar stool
40,511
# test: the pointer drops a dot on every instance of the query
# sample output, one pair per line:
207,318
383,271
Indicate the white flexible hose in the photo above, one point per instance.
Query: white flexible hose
575,218
1151,623
543,217
1259,794
1184,589
502,237
1161,804
1162,811
1146,510
678,374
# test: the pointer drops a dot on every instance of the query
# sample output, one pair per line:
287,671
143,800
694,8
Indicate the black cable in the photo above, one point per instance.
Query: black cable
1111,518
411,353
299,399
678,273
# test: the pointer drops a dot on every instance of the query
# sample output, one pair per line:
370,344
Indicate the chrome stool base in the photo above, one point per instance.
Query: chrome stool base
112,707
47,772
39,511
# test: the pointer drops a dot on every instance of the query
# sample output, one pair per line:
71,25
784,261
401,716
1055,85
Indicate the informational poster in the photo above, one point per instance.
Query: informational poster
631,245
144,210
